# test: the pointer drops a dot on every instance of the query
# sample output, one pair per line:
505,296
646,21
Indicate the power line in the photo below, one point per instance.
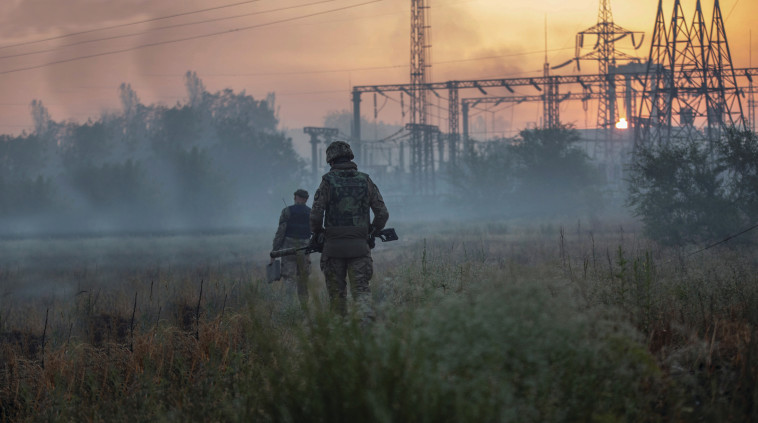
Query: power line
732,10
526,53
367,68
723,240
72,34
195,37
193,12
291,72
134,34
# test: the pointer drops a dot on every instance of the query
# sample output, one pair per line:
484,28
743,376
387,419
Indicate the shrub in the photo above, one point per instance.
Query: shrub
687,191
497,353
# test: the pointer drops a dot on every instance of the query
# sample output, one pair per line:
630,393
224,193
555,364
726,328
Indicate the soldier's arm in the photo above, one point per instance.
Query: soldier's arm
320,200
282,229
381,214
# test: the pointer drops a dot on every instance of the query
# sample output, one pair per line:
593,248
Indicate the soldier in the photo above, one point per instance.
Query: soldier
293,232
341,215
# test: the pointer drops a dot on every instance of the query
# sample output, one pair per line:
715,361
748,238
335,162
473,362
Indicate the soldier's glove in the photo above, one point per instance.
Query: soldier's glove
371,237
317,241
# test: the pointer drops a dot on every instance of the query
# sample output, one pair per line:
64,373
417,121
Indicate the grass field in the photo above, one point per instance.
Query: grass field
496,321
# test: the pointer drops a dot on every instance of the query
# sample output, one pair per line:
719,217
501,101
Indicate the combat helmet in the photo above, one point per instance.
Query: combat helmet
337,150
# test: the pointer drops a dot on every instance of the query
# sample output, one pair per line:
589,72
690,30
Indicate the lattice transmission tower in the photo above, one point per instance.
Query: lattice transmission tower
604,52
422,153
691,90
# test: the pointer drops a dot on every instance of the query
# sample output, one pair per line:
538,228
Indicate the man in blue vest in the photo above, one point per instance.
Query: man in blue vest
341,214
294,232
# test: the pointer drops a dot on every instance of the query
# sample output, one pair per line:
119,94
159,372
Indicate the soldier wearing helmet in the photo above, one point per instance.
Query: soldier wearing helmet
341,214
294,232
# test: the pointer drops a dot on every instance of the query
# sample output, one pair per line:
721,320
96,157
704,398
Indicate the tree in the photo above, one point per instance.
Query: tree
540,172
485,177
41,117
555,175
217,161
129,100
259,166
195,88
691,192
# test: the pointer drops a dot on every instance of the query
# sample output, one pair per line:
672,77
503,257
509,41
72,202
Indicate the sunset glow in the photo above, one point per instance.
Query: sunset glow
309,54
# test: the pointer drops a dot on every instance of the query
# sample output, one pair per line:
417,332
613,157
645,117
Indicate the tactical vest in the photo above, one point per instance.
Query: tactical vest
348,199
298,225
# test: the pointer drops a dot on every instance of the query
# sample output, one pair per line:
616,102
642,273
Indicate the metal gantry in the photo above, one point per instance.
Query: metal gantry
469,103
588,83
326,135
688,87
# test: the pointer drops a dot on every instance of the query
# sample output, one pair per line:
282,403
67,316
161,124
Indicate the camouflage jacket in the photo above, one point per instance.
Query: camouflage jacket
346,237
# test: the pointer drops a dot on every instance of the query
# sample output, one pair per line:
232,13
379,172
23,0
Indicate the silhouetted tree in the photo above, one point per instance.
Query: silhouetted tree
217,161
689,191
554,174
540,172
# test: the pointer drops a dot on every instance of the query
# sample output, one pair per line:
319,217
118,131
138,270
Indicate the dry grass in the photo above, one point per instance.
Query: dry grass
505,321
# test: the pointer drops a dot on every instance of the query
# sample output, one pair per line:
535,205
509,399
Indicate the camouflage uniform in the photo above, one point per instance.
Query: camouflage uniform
341,211
294,232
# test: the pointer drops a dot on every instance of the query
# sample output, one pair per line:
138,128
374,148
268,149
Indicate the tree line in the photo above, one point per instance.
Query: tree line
541,172
684,191
217,161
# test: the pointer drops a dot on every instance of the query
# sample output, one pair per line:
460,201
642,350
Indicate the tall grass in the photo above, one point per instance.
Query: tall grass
499,321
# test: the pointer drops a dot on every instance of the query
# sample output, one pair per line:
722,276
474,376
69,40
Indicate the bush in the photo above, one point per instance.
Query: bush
499,353
541,172
687,191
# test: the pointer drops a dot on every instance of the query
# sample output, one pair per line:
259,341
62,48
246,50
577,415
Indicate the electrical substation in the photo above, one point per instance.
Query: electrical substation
687,88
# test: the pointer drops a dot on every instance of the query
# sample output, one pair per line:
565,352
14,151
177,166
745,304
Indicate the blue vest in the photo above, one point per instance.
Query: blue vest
298,225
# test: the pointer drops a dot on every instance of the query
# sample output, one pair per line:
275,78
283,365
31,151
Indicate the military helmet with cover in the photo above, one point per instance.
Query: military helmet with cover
338,150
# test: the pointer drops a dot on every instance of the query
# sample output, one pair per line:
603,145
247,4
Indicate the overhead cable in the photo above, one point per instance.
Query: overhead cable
177,40
105,28
723,240
135,34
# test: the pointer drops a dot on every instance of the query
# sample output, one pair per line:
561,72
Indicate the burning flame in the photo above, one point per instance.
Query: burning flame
622,124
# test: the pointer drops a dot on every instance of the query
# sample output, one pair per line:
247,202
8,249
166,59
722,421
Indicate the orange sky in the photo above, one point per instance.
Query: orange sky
310,62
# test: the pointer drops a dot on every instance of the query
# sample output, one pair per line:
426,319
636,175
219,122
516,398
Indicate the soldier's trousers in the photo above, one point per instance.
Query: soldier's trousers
296,270
359,270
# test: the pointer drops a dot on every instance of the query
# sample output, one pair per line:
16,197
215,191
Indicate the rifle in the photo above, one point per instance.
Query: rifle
317,244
